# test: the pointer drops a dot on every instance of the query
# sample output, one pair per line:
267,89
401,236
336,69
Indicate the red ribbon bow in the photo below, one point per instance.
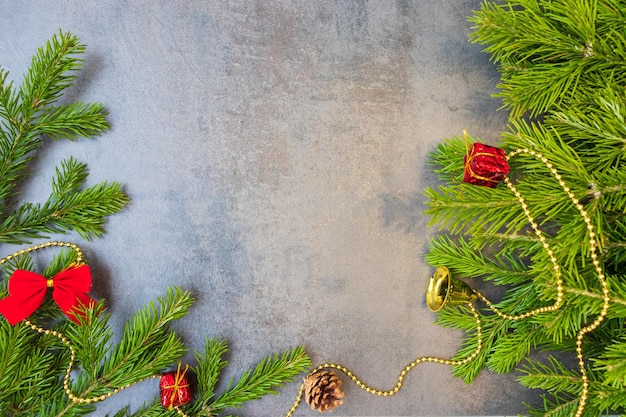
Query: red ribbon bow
27,291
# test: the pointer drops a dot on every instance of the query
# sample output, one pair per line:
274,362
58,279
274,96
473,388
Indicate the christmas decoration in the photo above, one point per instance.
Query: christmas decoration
59,359
444,290
175,390
148,339
562,61
485,165
322,391
554,239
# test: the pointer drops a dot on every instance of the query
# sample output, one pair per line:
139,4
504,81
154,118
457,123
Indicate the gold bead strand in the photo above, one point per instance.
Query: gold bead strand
70,366
593,247
79,253
403,373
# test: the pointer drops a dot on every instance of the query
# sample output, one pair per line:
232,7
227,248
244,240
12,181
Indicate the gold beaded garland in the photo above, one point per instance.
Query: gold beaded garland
79,253
407,369
593,247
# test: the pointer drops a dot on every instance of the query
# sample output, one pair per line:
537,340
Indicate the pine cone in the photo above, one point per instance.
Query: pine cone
322,391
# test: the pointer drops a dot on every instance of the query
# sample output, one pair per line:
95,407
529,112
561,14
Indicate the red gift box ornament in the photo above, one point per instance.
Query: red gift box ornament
485,165
175,388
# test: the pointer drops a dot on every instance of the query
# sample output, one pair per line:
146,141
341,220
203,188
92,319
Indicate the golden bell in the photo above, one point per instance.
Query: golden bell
443,290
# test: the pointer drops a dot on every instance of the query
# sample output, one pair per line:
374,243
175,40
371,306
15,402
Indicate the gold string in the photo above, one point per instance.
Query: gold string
593,246
79,253
403,373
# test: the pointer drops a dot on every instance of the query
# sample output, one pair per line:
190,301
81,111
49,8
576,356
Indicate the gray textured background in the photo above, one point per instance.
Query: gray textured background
275,154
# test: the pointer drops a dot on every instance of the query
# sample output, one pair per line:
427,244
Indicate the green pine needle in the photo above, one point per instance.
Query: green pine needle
271,373
147,345
210,366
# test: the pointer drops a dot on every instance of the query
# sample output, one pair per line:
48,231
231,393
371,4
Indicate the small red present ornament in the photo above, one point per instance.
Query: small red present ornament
485,165
175,389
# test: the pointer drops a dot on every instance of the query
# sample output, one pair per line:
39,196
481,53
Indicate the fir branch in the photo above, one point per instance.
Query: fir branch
147,346
52,70
523,297
67,208
69,178
9,103
461,318
591,300
270,373
456,317
15,153
550,52
598,134
535,91
564,323
49,74
613,363
14,341
447,159
28,115
609,187
470,370
92,340
471,209
509,350
558,407
563,384
608,398
210,366
72,121
30,368
445,251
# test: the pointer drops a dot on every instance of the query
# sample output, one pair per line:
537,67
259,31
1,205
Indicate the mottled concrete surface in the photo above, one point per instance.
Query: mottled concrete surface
275,153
